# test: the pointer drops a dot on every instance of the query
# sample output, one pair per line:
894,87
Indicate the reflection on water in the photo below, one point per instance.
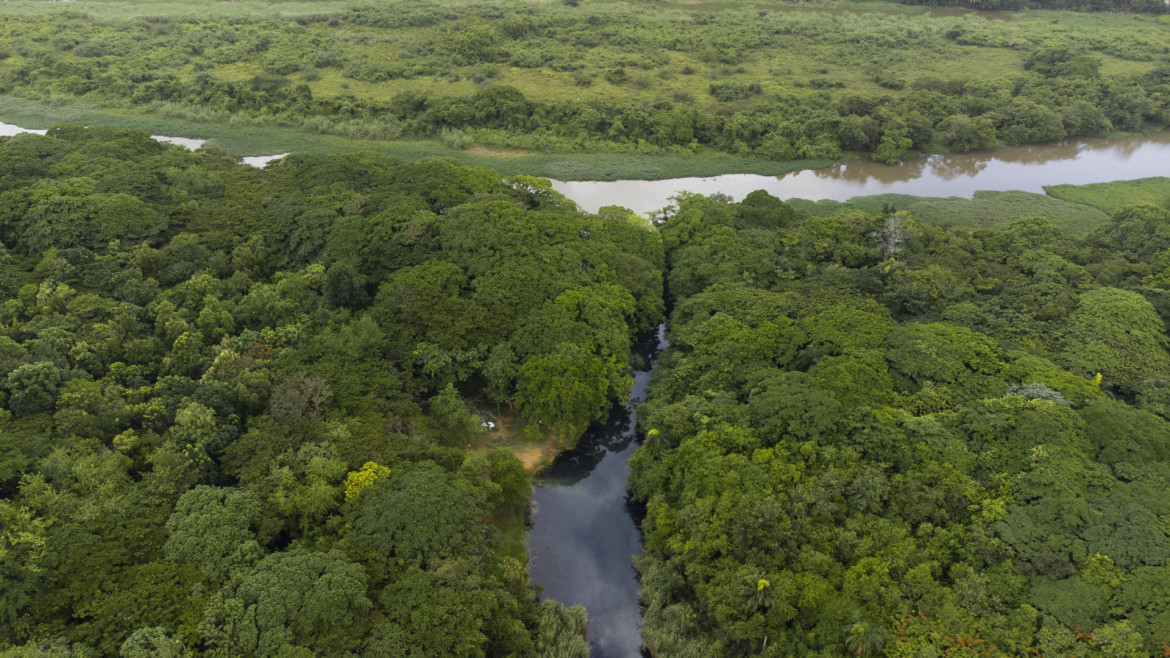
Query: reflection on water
261,160
1026,168
8,130
186,142
584,533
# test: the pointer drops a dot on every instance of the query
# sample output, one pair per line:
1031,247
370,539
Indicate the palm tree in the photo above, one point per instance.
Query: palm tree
757,596
863,638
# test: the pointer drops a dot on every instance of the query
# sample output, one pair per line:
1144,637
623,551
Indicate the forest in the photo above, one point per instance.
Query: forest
875,436
771,83
242,413
285,411
242,410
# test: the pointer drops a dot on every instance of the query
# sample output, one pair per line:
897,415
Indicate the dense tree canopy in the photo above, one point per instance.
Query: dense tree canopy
246,417
242,409
954,450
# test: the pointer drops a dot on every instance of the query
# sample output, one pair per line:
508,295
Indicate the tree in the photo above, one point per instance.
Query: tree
358,481
291,597
22,547
428,615
33,387
962,133
565,390
1141,231
864,638
460,424
561,630
789,407
153,642
306,487
501,371
299,398
343,288
1119,334
944,354
86,220
213,528
416,516
892,235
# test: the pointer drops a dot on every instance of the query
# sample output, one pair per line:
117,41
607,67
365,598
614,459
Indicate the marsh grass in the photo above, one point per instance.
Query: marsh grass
986,209
1111,197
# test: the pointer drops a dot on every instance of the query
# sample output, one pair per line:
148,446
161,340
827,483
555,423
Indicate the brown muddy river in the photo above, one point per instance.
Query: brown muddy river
1028,168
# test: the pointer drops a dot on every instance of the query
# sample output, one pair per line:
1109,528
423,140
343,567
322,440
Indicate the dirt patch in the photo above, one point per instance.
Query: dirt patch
535,452
492,153
532,458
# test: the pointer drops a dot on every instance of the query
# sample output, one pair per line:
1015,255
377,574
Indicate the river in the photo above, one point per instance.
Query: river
584,533
1028,168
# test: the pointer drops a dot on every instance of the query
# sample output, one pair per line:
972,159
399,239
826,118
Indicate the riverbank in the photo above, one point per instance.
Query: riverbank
244,139
975,189
729,81
507,431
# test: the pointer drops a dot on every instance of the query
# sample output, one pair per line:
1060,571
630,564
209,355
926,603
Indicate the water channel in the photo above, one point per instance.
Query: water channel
1026,168
584,533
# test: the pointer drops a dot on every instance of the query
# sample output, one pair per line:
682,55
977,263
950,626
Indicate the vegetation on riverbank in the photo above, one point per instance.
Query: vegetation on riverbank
1075,210
1111,197
985,209
871,436
769,82
223,385
236,403
266,140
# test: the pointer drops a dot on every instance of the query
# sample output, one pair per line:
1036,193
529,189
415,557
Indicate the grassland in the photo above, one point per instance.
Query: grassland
613,89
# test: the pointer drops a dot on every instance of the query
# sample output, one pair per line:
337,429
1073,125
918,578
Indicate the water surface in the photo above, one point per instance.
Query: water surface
584,533
1026,168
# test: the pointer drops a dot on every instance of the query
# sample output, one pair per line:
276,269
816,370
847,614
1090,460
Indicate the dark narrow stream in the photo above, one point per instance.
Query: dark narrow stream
585,533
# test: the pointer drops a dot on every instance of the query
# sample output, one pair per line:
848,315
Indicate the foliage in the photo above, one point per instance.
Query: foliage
858,453
674,80
1111,197
288,598
358,481
246,426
